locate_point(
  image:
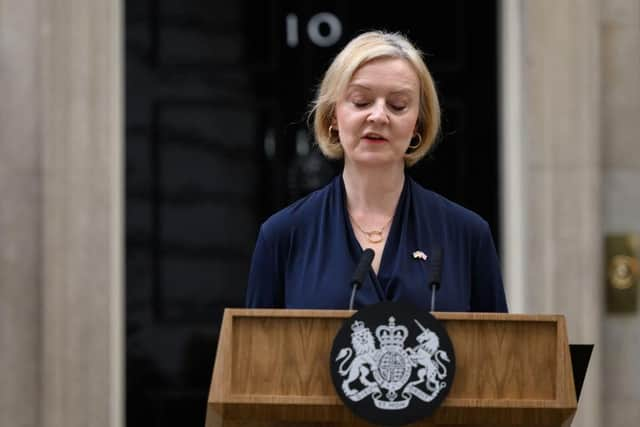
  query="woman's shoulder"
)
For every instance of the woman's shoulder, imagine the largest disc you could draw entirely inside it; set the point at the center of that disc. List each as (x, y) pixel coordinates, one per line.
(446, 210)
(298, 214)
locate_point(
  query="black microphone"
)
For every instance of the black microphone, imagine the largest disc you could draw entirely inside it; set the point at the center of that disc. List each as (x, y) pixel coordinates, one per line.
(360, 272)
(436, 273)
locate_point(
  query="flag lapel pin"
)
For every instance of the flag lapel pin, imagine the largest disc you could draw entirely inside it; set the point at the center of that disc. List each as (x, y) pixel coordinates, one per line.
(419, 255)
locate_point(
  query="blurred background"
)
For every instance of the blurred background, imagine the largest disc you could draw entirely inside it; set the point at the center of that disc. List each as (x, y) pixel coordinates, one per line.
(142, 144)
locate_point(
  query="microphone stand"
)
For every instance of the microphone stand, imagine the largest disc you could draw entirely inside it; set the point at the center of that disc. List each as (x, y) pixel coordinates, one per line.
(434, 287)
(353, 295)
(435, 276)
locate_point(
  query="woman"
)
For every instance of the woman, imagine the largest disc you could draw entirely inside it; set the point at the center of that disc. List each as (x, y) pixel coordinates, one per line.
(376, 109)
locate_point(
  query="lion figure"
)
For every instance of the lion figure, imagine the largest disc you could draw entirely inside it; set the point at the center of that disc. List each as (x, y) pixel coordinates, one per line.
(359, 368)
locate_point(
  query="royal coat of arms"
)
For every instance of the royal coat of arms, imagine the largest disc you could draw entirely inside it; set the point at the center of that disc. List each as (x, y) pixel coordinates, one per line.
(391, 372)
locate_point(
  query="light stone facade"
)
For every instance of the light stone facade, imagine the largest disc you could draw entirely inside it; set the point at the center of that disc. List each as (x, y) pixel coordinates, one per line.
(61, 235)
(620, 196)
(571, 122)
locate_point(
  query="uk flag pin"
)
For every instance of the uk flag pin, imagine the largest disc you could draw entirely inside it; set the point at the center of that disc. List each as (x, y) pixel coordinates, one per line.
(419, 255)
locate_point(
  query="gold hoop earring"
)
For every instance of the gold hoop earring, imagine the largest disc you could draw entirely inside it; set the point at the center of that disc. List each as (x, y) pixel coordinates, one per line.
(331, 130)
(416, 146)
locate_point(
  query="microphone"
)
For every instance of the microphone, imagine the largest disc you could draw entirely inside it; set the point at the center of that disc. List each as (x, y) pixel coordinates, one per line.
(360, 272)
(436, 274)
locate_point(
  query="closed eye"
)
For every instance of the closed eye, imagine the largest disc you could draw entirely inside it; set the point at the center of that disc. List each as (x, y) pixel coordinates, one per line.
(398, 107)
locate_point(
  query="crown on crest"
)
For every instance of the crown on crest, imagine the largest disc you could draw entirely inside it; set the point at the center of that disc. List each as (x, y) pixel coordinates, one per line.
(359, 329)
(357, 326)
(392, 335)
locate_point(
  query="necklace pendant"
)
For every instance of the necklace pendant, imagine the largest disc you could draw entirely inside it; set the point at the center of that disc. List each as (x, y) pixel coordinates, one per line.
(374, 236)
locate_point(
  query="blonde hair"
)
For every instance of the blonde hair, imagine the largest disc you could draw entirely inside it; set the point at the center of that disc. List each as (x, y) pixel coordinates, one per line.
(362, 49)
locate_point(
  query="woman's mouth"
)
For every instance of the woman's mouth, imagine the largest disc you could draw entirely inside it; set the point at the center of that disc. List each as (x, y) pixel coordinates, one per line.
(374, 138)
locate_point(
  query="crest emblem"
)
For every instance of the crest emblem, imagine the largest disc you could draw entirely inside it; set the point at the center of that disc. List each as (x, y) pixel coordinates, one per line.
(398, 373)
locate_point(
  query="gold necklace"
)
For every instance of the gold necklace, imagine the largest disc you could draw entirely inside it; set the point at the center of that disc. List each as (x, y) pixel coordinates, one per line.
(373, 236)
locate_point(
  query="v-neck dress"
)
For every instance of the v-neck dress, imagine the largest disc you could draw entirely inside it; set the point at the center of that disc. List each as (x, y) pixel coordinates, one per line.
(306, 253)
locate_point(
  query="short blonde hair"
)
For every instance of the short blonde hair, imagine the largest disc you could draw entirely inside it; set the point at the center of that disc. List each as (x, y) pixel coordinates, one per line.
(362, 49)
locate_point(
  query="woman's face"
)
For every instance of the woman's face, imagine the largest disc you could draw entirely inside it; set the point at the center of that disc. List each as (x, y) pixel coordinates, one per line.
(376, 116)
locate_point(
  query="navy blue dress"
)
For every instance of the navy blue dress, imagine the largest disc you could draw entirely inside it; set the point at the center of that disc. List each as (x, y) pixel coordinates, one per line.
(306, 253)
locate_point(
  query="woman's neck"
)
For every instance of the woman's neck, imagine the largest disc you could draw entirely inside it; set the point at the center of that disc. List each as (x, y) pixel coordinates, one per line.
(372, 191)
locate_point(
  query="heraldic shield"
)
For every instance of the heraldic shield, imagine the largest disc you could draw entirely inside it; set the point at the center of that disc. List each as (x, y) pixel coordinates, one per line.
(392, 364)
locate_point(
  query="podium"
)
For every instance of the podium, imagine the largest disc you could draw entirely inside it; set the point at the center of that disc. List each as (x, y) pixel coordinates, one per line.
(272, 370)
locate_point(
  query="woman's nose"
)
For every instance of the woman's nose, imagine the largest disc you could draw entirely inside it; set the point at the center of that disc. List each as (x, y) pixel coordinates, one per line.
(378, 113)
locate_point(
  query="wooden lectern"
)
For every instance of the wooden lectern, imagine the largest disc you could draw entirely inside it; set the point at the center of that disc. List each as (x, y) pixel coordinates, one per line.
(272, 369)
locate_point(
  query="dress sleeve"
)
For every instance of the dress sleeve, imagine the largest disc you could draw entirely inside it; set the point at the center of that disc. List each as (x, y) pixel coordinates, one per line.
(266, 278)
(487, 290)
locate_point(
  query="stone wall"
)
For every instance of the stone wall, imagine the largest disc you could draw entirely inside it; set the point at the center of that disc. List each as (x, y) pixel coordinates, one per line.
(61, 218)
(620, 147)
